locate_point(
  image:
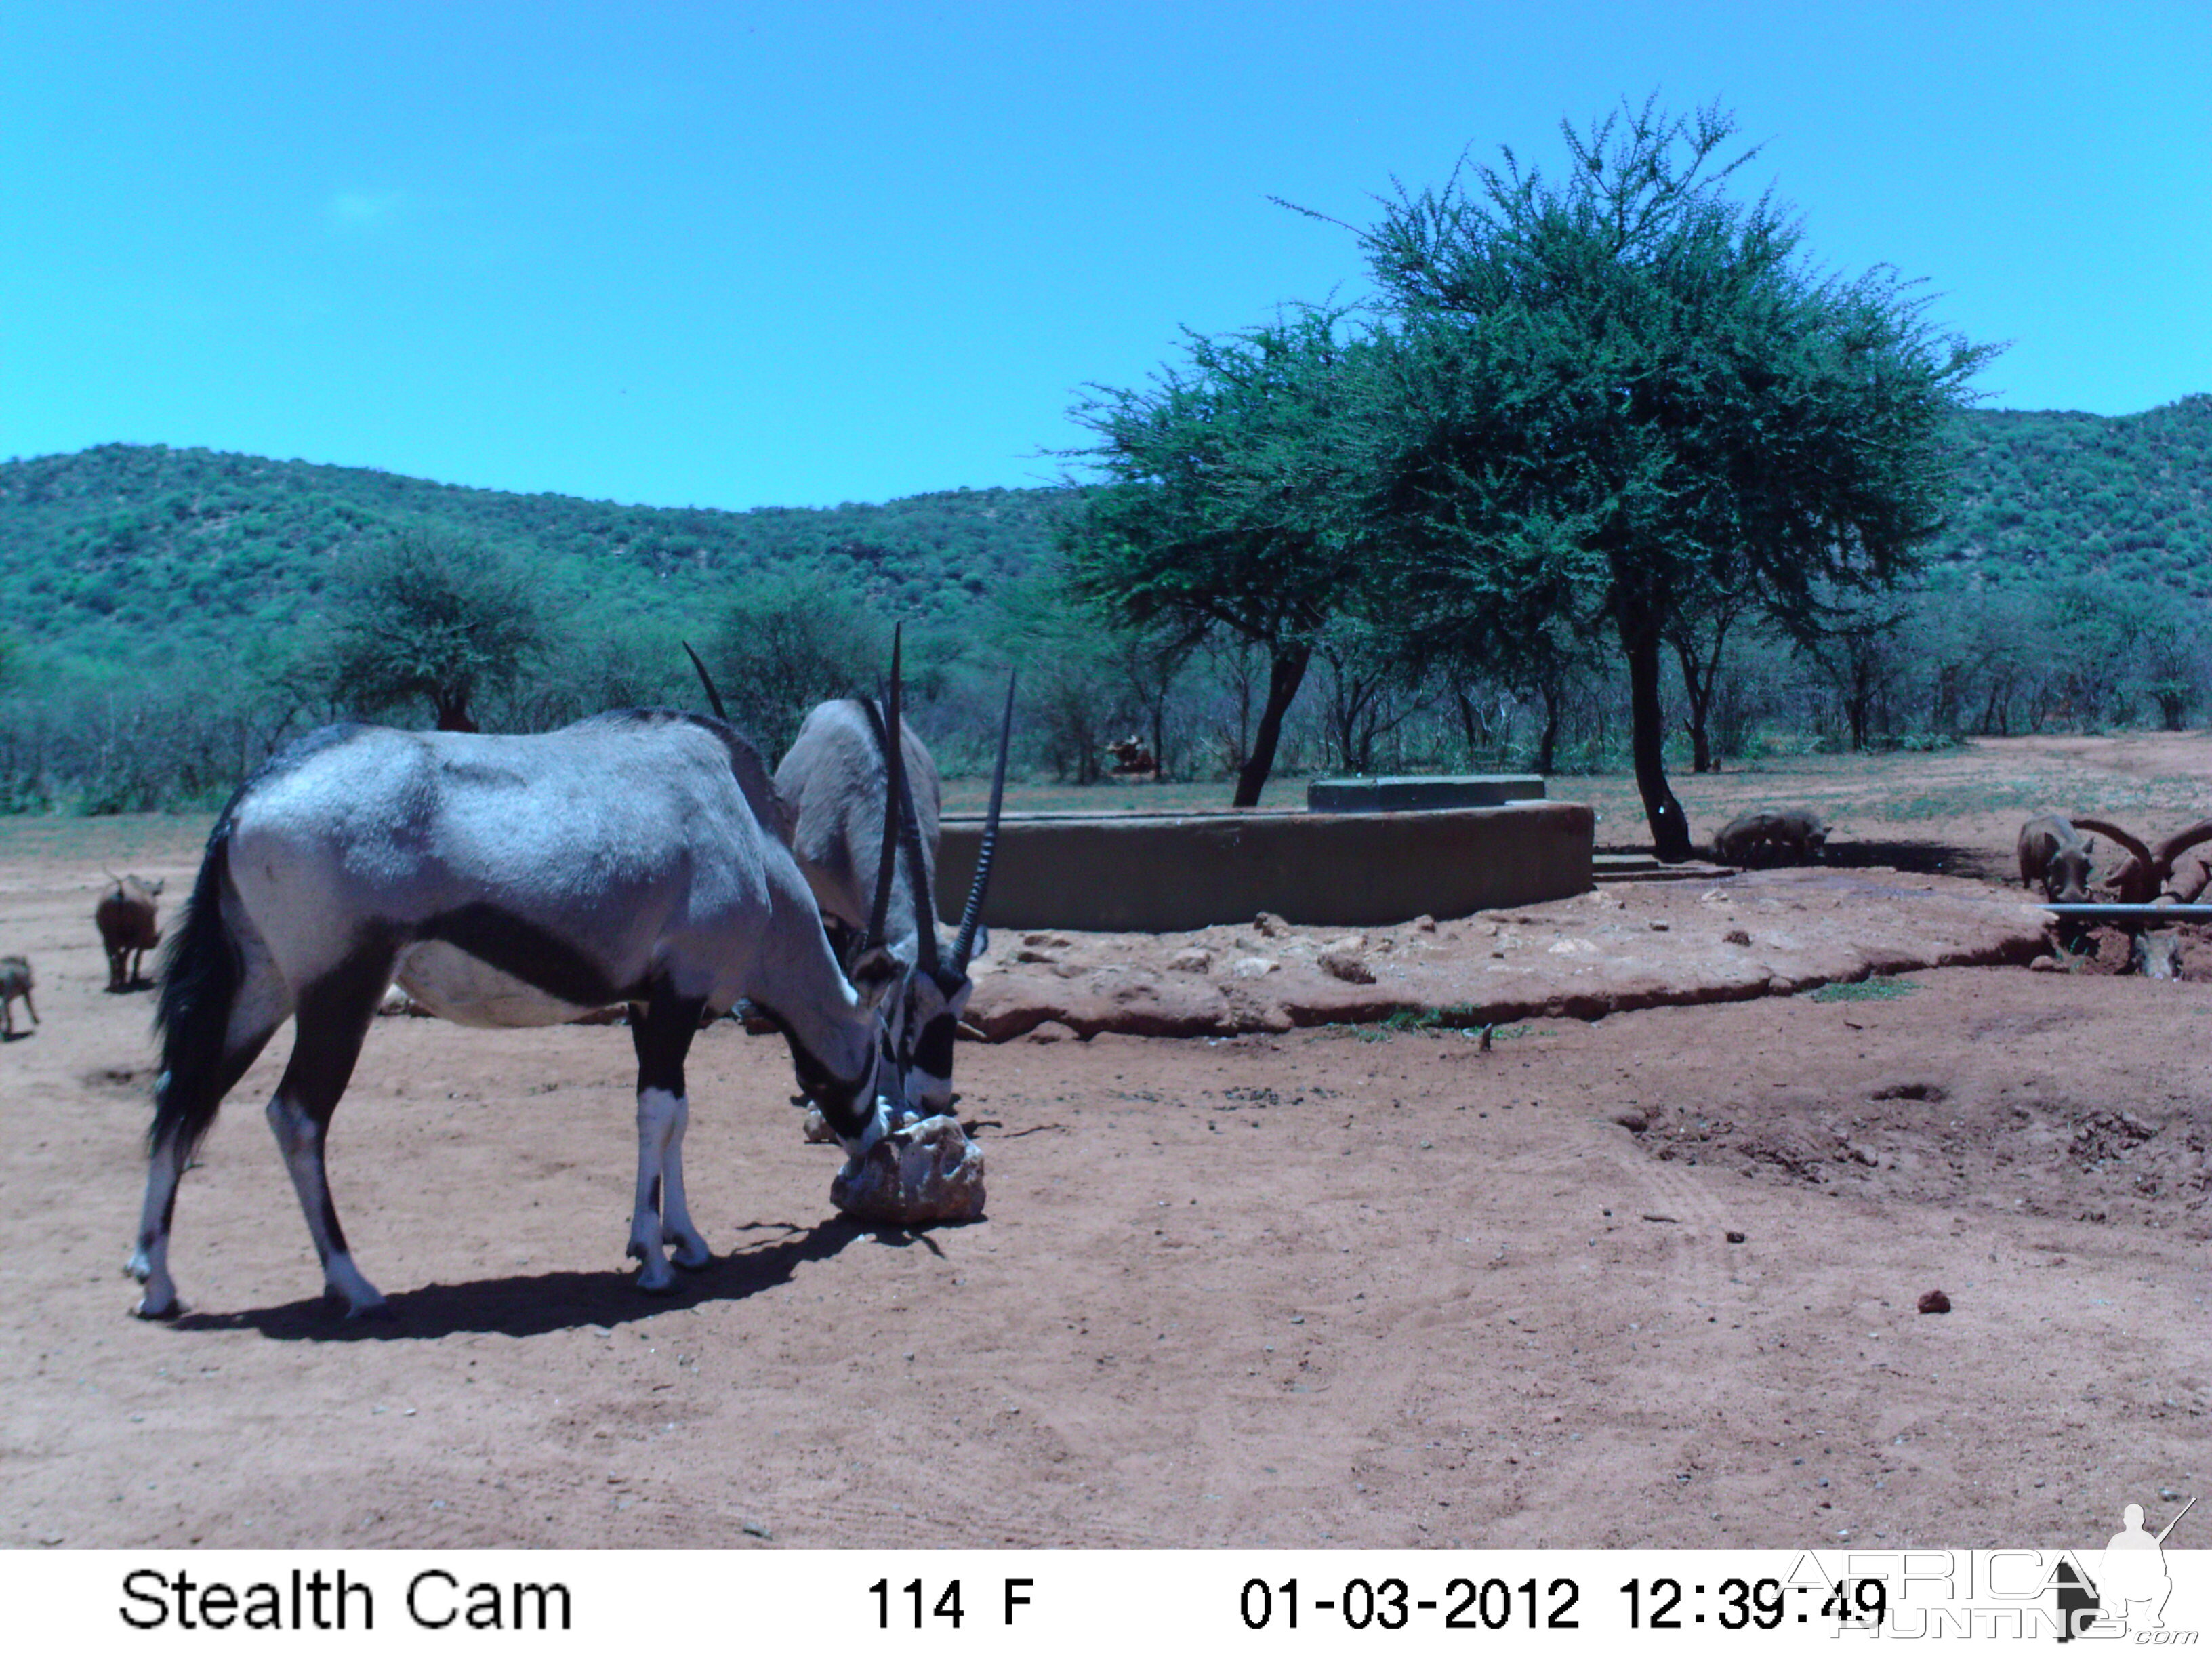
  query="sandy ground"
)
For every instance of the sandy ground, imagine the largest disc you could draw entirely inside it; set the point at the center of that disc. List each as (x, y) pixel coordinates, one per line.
(1331, 1285)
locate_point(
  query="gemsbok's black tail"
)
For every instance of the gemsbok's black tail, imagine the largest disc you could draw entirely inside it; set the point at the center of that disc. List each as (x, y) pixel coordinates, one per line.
(201, 970)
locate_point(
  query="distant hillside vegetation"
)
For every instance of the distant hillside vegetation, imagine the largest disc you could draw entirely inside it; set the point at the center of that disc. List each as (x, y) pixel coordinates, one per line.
(137, 554)
(2051, 495)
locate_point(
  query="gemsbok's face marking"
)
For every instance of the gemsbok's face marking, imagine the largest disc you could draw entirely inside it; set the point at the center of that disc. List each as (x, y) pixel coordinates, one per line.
(935, 1003)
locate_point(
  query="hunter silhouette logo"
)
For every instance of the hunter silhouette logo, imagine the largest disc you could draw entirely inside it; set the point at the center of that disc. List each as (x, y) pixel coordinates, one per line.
(2131, 1585)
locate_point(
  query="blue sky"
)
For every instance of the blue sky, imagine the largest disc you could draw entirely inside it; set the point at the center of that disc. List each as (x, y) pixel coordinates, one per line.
(738, 255)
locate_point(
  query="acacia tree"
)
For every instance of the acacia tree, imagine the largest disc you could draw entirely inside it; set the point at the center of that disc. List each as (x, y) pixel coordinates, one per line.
(789, 640)
(435, 616)
(1624, 394)
(1232, 502)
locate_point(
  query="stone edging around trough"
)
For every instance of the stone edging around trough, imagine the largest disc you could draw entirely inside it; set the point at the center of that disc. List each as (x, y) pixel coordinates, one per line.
(1765, 933)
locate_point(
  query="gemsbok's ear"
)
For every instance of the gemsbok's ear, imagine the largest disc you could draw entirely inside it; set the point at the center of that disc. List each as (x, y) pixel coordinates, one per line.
(875, 974)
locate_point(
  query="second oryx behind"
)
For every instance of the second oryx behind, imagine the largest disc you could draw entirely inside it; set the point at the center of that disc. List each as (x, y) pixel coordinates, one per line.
(851, 760)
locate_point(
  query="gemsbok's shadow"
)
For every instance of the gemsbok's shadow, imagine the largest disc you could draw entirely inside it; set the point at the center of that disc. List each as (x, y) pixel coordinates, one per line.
(533, 1304)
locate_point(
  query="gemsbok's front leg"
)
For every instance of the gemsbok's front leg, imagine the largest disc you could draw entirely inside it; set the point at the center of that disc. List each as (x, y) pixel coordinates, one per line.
(661, 1030)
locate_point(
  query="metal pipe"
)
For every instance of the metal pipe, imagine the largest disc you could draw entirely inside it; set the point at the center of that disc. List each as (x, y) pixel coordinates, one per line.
(2132, 912)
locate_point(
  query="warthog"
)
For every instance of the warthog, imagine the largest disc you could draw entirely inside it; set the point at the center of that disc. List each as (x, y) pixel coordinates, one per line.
(15, 981)
(2054, 855)
(125, 919)
(1759, 839)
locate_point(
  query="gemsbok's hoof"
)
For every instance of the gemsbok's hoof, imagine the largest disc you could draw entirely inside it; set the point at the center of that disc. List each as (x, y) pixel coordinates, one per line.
(147, 1308)
(379, 1308)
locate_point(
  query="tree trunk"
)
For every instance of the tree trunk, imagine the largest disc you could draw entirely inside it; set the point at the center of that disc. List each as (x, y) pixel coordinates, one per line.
(1285, 675)
(1699, 688)
(1859, 708)
(1466, 722)
(1670, 828)
(1547, 746)
(452, 709)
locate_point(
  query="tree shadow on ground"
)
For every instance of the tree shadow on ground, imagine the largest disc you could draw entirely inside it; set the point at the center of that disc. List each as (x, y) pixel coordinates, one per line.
(1918, 858)
(533, 1304)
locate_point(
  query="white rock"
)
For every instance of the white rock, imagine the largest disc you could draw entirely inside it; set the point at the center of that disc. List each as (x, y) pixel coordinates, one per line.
(1192, 959)
(1252, 967)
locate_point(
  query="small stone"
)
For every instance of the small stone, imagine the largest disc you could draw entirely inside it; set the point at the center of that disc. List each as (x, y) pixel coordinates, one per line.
(927, 1171)
(1339, 963)
(2046, 965)
(1056, 941)
(1935, 1302)
(1191, 959)
(1051, 1032)
(1269, 924)
(1635, 1122)
(1252, 967)
(1658, 927)
(1425, 924)
(1736, 936)
(1735, 1238)
(1030, 953)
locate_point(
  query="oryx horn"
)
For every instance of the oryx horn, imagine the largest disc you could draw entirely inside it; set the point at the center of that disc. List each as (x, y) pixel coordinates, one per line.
(925, 902)
(966, 943)
(706, 679)
(894, 786)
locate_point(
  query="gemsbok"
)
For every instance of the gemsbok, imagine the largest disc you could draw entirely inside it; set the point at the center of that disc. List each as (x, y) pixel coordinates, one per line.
(503, 881)
(834, 786)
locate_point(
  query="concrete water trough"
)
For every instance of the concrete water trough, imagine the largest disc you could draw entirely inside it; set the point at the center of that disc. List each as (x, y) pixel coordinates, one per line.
(1172, 872)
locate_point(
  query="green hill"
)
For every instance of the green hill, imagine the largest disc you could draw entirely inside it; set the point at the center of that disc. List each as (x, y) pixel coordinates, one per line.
(132, 555)
(160, 611)
(2053, 495)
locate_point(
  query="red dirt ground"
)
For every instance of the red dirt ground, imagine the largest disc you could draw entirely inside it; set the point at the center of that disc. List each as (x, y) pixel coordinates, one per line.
(1331, 1286)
